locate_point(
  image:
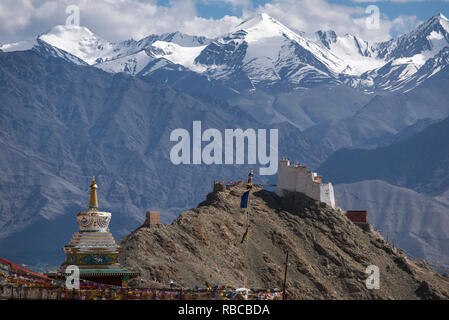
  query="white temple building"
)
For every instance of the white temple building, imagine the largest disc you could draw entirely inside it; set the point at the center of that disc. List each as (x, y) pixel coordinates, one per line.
(296, 178)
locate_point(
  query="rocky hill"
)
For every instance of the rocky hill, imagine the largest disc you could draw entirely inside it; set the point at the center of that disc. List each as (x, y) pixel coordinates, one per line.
(328, 254)
(416, 222)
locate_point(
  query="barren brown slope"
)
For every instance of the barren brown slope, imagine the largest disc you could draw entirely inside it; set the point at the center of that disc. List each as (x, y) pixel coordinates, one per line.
(328, 254)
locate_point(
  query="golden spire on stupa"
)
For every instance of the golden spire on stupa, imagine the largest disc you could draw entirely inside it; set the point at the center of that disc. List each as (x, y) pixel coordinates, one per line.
(93, 203)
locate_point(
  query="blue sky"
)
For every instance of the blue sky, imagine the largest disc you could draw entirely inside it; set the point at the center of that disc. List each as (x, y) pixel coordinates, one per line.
(390, 9)
(125, 19)
(422, 9)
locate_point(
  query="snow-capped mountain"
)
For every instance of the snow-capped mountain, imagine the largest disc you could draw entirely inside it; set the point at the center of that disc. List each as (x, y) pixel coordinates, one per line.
(425, 41)
(411, 58)
(262, 52)
(81, 42)
(357, 54)
(266, 51)
(80, 45)
(48, 50)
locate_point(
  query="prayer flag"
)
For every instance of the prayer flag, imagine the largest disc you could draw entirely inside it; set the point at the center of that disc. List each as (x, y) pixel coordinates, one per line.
(244, 202)
(250, 180)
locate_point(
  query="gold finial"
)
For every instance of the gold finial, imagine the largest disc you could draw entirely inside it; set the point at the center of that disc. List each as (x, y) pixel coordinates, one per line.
(93, 203)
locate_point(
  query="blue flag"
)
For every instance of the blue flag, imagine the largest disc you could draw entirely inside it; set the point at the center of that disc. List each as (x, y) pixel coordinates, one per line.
(244, 202)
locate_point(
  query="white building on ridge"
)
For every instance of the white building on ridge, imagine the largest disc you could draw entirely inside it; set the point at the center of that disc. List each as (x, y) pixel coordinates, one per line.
(296, 178)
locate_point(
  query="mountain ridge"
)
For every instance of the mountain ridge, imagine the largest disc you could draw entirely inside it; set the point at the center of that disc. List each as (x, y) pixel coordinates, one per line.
(418, 162)
(288, 57)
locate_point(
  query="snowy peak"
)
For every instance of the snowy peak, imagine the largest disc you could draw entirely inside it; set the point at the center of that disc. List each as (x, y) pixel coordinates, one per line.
(128, 56)
(266, 33)
(327, 37)
(155, 51)
(437, 24)
(438, 19)
(184, 40)
(48, 50)
(263, 26)
(408, 54)
(442, 16)
(181, 39)
(257, 20)
(79, 41)
(427, 40)
(348, 43)
(177, 54)
(357, 54)
(263, 51)
(266, 52)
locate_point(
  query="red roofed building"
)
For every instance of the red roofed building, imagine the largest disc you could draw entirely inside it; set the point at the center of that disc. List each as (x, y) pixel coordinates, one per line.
(360, 218)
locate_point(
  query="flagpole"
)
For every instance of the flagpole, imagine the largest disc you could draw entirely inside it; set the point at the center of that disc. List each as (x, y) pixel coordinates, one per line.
(285, 277)
(246, 218)
(249, 186)
(246, 249)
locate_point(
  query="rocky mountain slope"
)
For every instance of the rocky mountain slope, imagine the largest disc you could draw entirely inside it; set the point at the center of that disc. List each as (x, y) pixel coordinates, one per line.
(328, 254)
(416, 222)
(403, 185)
(420, 162)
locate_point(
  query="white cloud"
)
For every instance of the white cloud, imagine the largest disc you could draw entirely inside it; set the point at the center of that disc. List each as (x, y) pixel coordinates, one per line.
(236, 4)
(113, 20)
(400, 1)
(403, 24)
(117, 20)
(15, 14)
(313, 15)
